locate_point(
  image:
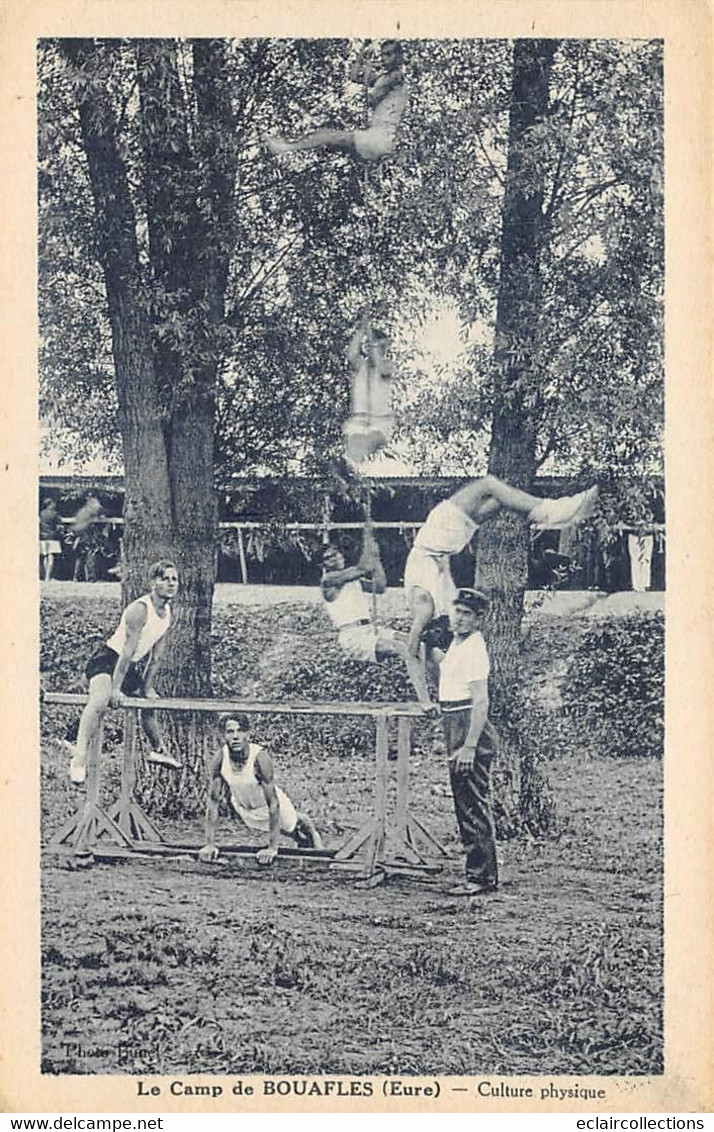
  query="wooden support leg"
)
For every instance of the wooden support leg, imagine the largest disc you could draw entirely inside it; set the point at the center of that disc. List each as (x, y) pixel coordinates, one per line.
(403, 750)
(361, 852)
(126, 812)
(401, 855)
(418, 833)
(90, 822)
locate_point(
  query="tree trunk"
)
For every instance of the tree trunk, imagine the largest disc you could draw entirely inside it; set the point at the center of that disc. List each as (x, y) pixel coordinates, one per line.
(165, 321)
(502, 559)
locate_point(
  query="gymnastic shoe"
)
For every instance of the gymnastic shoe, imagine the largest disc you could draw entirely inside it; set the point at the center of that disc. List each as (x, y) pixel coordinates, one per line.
(474, 888)
(555, 514)
(160, 758)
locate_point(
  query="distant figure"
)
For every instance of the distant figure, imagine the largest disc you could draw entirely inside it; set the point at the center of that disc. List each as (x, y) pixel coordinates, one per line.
(371, 422)
(50, 544)
(639, 547)
(81, 529)
(245, 771)
(386, 98)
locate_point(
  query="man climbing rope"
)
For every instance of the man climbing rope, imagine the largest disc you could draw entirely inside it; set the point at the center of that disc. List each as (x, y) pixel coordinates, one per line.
(246, 770)
(371, 422)
(386, 98)
(345, 589)
(428, 585)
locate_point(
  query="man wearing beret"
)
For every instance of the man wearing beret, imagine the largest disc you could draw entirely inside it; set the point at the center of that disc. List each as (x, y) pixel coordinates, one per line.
(471, 740)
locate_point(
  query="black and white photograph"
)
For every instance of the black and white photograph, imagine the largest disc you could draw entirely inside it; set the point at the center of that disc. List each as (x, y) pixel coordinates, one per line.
(352, 566)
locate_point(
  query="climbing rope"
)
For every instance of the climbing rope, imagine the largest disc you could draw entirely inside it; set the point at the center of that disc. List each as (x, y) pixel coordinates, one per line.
(369, 531)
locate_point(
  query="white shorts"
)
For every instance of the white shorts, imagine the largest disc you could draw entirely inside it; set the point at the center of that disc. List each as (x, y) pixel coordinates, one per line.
(359, 642)
(259, 819)
(430, 572)
(49, 546)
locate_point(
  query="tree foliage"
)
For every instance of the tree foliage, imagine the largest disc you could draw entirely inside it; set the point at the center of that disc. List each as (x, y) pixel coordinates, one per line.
(315, 237)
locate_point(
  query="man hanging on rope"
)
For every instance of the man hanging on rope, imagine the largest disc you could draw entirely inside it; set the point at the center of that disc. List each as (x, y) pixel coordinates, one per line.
(345, 589)
(246, 770)
(371, 422)
(386, 97)
(450, 526)
(125, 666)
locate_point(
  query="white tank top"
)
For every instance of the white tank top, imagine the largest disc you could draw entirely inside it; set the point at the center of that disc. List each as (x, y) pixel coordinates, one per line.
(350, 605)
(246, 792)
(447, 530)
(153, 630)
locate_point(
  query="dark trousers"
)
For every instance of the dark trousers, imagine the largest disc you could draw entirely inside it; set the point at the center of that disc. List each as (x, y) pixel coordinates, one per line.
(472, 797)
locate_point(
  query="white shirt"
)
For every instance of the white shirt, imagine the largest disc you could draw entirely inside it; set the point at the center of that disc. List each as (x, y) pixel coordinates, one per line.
(465, 662)
(153, 630)
(350, 604)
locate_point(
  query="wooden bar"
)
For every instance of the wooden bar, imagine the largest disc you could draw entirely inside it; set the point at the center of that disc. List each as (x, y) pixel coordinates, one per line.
(251, 707)
(403, 745)
(128, 770)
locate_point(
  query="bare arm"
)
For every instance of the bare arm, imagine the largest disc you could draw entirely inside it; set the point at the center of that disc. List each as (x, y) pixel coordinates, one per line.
(354, 350)
(209, 852)
(377, 583)
(363, 69)
(370, 562)
(422, 610)
(463, 757)
(265, 775)
(156, 654)
(333, 580)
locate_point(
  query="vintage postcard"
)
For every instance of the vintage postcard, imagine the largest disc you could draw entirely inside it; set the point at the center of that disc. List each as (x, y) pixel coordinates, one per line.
(357, 455)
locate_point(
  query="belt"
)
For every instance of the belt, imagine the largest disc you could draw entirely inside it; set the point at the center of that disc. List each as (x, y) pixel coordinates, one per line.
(454, 705)
(351, 624)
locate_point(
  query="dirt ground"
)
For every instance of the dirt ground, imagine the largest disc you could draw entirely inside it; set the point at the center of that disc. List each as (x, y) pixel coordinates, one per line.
(175, 967)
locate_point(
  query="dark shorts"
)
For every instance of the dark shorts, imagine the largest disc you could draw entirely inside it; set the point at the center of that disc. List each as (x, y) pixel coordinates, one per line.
(105, 660)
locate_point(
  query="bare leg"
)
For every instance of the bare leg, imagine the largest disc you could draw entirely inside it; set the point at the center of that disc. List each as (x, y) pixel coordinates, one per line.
(484, 497)
(90, 724)
(305, 830)
(409, 648)
(398, 645)
(150, 725)
(158, 755)
(342, 140)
